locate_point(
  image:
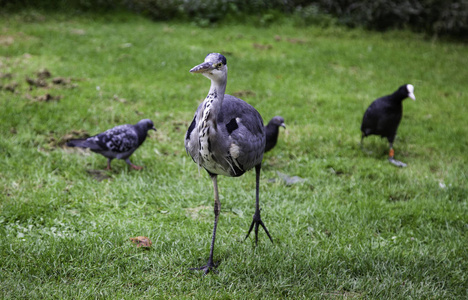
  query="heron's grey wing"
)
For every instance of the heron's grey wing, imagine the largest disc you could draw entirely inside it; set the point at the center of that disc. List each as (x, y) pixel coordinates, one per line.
(191, 137)
(244, 126)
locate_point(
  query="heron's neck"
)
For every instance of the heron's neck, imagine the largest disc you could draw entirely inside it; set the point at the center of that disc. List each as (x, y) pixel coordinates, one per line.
(212, 104)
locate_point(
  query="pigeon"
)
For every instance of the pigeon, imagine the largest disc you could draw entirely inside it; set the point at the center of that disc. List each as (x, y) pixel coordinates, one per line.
(272, 131)
(383, 116)
(119, 142)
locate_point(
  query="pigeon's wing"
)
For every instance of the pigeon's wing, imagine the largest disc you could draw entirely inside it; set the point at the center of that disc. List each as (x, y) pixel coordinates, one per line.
(120, 139)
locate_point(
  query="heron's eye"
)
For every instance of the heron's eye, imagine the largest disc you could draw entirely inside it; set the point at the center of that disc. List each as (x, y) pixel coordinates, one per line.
(219, 65)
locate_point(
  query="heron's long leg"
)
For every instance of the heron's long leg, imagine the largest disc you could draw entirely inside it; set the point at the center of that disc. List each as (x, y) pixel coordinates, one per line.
(217, 208)
(256, 218)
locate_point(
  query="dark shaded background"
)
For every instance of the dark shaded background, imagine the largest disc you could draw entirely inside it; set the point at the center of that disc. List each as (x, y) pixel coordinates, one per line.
(433, 17)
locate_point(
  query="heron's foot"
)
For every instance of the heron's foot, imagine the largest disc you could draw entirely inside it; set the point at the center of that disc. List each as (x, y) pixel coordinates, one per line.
(257, 221)
(210, 266)
(397, 162)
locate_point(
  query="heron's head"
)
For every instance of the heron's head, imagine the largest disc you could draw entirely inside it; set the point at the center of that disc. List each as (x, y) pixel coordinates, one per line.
(214, 67)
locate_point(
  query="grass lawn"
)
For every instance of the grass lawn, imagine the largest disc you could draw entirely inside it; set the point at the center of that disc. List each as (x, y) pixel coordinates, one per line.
(357, 227)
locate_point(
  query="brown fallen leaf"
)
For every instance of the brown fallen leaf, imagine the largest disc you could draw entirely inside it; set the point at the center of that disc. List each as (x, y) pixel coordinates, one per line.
(142, 241)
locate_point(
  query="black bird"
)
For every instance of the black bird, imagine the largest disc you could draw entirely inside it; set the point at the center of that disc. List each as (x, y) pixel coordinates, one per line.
(383, 116)
(226, 137)
(272, 131)
(119, 142)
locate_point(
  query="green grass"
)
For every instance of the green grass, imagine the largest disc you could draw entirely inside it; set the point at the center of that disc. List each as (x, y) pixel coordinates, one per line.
(358, 227)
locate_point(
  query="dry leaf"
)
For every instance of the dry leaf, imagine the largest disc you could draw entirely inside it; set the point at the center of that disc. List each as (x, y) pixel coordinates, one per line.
(142, 241)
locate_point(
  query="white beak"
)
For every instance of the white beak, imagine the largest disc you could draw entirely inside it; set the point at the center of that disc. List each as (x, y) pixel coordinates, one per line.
(410, 89)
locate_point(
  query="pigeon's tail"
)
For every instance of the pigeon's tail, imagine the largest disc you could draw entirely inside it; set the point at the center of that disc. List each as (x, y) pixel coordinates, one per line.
(81, 143)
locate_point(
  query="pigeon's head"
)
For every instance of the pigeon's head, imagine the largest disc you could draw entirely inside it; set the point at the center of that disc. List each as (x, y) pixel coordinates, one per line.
(214, 67)
(146, 124)
(407, 90)
(277, 121)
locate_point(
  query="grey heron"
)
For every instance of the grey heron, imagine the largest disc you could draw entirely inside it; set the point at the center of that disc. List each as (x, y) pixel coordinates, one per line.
(226, 137)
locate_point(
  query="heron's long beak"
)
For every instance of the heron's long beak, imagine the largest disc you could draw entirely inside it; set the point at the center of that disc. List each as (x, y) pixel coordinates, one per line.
(153, 128)
(411, 95)
(283, 125)
(201, 68)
